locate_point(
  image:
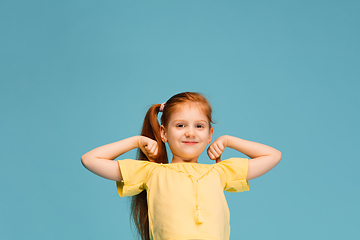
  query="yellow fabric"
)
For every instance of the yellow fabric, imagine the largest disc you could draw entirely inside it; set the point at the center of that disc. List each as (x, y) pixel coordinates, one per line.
(185, 200)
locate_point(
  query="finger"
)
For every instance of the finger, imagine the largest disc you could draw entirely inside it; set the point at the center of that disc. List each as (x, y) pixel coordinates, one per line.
(218, 159)
(156, 151)
(154, 147)
(149, 148)
(212, 154)
(216, 152)
(146, 151)
(150, 157)
(209, 152)
(218, 149)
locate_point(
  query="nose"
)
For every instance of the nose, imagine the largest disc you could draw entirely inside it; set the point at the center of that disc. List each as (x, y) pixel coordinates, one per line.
(189, 133)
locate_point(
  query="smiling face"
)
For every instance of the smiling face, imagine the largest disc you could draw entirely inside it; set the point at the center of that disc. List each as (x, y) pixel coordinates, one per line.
(187, 133)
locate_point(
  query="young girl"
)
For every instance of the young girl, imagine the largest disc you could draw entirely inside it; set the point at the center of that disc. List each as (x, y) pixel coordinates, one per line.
(183, 199)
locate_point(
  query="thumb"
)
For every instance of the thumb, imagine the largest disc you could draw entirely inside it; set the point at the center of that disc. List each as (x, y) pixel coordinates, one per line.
(218, 159)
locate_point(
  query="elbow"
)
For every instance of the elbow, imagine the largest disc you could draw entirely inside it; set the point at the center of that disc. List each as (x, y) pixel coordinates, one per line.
(278, 155)
(84, 160)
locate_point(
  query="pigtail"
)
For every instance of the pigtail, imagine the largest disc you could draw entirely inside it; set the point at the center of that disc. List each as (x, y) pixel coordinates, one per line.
(139, 207)
(151, 129)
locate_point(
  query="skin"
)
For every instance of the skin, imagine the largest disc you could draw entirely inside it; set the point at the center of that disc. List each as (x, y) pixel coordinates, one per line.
(187, 133)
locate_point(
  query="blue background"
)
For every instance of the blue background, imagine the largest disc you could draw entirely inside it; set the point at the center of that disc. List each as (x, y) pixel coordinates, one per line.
(79, 74)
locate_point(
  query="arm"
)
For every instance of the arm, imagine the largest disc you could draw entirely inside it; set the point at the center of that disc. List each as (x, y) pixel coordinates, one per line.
(263, 158)
(99, 160)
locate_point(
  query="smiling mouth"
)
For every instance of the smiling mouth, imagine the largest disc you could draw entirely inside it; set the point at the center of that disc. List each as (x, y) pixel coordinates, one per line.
(189, 143)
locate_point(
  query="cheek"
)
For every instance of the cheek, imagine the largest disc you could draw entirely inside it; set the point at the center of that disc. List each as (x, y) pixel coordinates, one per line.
(171, 137)
(205, 134)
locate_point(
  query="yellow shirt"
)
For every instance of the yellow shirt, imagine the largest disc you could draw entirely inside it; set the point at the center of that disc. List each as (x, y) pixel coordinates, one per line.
(185, 200)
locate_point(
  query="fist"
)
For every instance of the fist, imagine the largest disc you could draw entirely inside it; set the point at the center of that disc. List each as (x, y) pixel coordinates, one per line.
(215, 149)
(149, 147)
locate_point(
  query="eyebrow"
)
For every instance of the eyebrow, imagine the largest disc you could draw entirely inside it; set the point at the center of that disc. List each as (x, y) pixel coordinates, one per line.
(183, 120)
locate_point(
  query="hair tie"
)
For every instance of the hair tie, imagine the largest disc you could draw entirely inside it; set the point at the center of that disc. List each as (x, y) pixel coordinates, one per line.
(162, 106)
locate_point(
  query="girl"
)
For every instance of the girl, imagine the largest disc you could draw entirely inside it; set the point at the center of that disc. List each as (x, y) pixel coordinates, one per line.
(183, 199)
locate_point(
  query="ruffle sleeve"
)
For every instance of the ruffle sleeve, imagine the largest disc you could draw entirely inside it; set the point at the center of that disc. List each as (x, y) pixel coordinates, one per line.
(233, 173)
(135, 174)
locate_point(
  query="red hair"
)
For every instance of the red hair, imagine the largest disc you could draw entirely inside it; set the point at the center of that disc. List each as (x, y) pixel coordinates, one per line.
(151, 129)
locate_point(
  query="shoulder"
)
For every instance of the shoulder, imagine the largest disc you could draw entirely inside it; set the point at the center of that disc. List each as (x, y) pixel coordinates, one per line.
(233, 165)
(136, 165)
(233, 161)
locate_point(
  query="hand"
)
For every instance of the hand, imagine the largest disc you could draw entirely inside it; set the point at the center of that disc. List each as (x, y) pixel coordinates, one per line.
(217, 148)
(149, 147)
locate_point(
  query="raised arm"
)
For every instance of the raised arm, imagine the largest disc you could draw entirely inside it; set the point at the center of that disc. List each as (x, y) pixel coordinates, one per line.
(100, 160)
(263, 158)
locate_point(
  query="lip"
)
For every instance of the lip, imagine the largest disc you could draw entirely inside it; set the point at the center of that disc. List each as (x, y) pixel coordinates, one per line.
(189, 142)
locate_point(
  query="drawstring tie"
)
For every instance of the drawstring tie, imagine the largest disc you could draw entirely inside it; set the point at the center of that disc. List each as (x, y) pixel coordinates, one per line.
(198, 217)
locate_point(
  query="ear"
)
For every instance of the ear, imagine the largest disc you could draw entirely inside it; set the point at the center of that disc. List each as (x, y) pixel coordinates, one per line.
(211, 134)
(163, 134)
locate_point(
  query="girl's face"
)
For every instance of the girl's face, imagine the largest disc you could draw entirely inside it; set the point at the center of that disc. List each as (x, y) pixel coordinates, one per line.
(187, 133)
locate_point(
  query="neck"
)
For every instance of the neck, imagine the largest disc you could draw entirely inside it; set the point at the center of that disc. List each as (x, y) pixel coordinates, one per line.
(184, 160)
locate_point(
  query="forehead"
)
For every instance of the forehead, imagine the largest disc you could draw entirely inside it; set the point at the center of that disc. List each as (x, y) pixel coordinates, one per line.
(189, 110)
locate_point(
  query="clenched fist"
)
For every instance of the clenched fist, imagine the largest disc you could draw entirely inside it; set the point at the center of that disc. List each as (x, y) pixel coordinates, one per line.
(217, 148)
(149, 147)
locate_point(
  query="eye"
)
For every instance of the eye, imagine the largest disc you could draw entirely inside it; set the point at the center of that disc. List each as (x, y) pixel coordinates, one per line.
(180, 125)
(200, 126)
